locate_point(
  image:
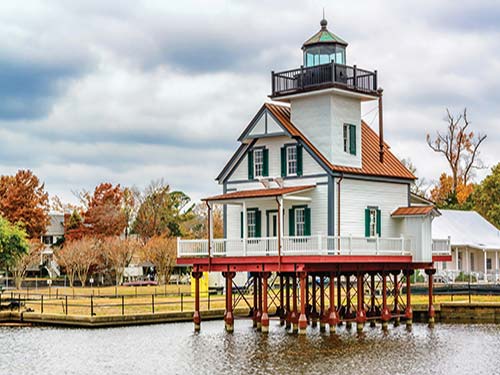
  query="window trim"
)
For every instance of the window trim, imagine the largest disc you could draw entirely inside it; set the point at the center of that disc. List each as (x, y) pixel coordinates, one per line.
(288, 160)
(346, 138)
(373, 225)
(261, 163)
(303, 223)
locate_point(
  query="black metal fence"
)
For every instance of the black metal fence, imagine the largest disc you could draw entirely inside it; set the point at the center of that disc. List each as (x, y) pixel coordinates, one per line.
(308, 78)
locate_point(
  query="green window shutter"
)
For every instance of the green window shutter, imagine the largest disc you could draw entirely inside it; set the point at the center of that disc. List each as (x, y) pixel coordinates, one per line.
(258, 221)
(367, 222)
(307, 219)
(352, 139)
(379, 222)
(241, 224)
(291, 222)
(250, 165)
(299, 160)
(283, 162)
(265, 168)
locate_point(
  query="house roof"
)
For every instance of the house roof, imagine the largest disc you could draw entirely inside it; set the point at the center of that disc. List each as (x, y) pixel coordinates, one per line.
(324, 36)
(414, 211)
(259, 193)
(370, 162)
(466, 228)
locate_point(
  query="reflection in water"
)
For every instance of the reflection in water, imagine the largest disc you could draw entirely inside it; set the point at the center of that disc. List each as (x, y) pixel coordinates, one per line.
(176, 349)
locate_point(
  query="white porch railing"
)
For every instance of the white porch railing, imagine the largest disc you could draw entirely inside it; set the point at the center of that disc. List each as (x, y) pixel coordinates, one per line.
(441, 247)
(309, 245)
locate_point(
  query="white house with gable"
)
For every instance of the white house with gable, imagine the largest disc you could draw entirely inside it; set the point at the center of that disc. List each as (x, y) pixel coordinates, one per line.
(311, 177)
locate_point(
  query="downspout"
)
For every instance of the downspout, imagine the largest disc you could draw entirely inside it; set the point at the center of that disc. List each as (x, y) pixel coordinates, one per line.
(338, 209)
(380, 125)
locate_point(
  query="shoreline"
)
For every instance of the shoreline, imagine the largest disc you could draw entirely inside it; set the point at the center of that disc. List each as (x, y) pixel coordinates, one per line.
(452, 312)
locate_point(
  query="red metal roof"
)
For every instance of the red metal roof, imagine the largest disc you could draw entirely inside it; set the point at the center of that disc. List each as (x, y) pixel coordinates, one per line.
(258, 193)
(413, 211)
(370, 162)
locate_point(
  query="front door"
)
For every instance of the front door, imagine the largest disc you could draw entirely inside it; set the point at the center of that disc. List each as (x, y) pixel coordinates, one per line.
(273, 224)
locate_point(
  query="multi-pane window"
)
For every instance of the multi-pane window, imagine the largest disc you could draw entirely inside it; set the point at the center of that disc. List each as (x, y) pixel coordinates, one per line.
(252, 224)
(373, 222)
(47, 240)
(258, 162)
(291, 160)
(350, 139)
(300, 221)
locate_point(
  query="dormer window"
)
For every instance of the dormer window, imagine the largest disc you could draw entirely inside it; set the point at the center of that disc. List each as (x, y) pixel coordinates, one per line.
(291, 160)
(258, 163)
(350, 139)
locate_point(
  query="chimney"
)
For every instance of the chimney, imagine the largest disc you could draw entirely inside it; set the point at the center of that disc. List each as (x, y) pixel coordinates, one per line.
(380, 125)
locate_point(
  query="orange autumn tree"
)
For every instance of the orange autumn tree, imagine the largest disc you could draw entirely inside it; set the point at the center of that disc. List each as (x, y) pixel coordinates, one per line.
(23, 200)
(442, 192)
(105, 215)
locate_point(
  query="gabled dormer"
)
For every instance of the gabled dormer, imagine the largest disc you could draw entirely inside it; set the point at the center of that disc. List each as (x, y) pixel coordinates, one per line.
(325, 97)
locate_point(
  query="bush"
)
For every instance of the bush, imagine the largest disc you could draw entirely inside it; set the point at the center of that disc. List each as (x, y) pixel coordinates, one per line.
(465, 277)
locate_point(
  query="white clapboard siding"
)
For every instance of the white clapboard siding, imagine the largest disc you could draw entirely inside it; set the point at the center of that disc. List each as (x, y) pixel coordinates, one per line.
(274, 144)
(322, 117)
(357, 195)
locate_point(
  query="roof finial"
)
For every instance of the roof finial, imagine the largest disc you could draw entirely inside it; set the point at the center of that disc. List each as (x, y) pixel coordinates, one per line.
(323, 22)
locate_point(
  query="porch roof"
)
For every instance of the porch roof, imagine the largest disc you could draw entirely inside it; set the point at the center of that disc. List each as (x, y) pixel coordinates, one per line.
(259, 193)
(415, 211)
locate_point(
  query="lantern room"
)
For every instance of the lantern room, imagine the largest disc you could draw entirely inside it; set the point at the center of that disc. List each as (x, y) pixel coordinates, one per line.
(324, 47)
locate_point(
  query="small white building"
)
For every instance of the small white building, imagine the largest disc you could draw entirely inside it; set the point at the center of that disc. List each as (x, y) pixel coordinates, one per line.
(475, 244)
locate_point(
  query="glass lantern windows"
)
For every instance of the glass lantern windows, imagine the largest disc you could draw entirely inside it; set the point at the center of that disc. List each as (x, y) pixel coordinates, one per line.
(324, 54)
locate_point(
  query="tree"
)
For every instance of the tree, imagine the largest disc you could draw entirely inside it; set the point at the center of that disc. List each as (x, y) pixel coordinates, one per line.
(119, 253)
(22, 261)
(74, 229)
(460, 148)
(77, 257)
(161, 212)
(161, 252)
(130, 206)
(13, 242)
(197, 226)
(24, 200)
(444, 196)
(418, 187)
(104, 216)
(486, 197)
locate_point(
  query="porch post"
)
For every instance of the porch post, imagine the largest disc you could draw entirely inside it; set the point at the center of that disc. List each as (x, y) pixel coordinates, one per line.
(496, 265)
(280, 225)
(245, 228)
(209, 230)
(456, 258)
(485, 255)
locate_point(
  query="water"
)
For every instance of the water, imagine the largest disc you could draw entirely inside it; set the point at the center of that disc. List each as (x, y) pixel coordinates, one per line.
(175, 349)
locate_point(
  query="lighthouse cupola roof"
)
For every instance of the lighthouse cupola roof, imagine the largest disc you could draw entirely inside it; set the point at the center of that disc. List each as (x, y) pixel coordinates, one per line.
(324, 47)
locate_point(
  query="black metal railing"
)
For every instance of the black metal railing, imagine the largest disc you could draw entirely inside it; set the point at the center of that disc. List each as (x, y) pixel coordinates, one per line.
(323, 76)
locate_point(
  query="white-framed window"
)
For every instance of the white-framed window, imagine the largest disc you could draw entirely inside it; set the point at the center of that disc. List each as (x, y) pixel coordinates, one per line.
(373, 222)
(300, 222)
(349, 135)
(291, 160)
(252, 224)
(258, 162)
(346, 138)
(47, 240)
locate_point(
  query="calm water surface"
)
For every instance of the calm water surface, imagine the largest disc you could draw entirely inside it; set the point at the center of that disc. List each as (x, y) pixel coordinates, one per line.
(175, 349)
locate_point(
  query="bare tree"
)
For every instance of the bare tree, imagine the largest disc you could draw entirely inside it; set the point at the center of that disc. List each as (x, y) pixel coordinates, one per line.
(23, 260)
(459, 146)
(77, 257)
(119, 253)
(161, 251)
(420, 185)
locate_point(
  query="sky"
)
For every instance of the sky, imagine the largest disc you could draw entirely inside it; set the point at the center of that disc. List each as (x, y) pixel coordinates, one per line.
(132, 91)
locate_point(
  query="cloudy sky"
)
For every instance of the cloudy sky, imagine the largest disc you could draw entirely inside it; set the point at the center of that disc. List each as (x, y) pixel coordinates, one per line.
(131, 91)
